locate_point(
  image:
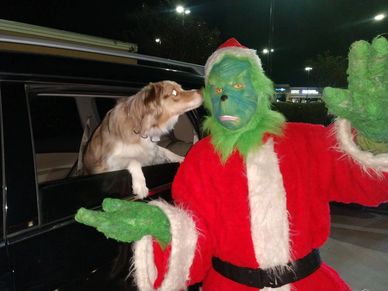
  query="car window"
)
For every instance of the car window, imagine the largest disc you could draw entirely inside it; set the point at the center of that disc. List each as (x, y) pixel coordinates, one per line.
(104, 105)
(57, 133)
(57, 122)
(179, 140)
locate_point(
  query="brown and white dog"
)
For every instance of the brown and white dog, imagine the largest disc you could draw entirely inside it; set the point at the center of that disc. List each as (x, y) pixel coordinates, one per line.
(126, 138)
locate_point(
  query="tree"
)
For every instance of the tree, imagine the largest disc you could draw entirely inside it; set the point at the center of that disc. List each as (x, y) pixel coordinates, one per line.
(328, 70)
(185, 38)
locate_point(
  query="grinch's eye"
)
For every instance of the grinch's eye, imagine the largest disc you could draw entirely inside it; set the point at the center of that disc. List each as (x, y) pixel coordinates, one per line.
(238, 86)
(219, 90)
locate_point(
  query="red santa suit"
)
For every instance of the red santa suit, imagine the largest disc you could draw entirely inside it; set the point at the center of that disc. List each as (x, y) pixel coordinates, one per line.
(266, 211)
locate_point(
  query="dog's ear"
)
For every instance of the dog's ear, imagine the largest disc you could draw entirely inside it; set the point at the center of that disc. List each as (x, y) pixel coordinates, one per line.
(153, 94)
(148, 109)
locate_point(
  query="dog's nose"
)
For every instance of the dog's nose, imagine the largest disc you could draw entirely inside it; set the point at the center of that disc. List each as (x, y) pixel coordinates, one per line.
(224, 97)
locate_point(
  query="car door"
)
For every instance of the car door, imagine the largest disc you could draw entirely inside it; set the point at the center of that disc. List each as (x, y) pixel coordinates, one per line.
(6, 274)
(48, 249)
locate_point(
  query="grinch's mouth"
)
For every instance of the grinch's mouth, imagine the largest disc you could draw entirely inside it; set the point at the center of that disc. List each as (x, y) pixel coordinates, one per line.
(229, 118)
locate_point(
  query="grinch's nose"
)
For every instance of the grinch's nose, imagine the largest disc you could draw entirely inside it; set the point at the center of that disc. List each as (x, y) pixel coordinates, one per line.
(224, 97)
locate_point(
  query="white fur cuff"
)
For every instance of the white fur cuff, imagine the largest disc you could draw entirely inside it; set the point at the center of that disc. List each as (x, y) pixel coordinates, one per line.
(183, 244)
(367, 160)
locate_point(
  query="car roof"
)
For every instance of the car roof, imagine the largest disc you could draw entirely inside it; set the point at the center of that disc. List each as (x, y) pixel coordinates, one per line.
(21, 38)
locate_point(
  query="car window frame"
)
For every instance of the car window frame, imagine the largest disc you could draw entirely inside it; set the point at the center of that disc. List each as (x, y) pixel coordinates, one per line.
(52, 89)
(18, 162)
(3, 183)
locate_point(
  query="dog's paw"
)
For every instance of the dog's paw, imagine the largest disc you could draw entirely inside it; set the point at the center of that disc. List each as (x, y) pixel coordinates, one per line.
(140, 190)
(177, 159)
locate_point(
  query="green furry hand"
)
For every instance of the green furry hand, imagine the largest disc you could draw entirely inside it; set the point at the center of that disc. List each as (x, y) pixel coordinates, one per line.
(365, 102)
(127, 221)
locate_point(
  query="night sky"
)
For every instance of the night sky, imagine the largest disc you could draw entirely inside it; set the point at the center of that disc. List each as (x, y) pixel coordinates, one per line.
(301, 28)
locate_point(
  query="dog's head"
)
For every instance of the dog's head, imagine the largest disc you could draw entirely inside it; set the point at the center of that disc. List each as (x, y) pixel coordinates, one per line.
(158, 106)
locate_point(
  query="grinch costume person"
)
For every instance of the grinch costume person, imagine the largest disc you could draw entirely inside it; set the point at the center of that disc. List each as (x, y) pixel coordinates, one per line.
(252, 199)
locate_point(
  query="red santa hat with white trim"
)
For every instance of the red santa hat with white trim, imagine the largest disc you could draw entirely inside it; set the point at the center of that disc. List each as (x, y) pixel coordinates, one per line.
(231, 47)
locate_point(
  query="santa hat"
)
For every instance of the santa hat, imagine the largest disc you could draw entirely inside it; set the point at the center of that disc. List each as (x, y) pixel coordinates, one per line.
(232, 47)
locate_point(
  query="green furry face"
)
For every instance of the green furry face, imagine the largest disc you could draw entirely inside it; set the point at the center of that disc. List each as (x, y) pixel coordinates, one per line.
(231, 91)
(239, 120)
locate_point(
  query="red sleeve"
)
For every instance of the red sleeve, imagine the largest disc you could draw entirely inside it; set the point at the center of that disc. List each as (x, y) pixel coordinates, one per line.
(352, 179)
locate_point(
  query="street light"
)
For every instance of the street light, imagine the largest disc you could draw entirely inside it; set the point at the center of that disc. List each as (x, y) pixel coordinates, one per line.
(267, 51)
(308, 69)
(182, 10)
(158, 40)
(268, 55)
(379, 17)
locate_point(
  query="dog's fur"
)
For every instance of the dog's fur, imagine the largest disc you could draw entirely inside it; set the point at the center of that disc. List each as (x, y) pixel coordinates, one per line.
(126, 138)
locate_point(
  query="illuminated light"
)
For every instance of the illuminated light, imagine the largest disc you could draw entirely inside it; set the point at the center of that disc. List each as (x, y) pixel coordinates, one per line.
(280, 89)
(295, 91)
(379, 17)
(267, 51)
(180, 9)
(310, 92)
(308, 69)
(158, 40)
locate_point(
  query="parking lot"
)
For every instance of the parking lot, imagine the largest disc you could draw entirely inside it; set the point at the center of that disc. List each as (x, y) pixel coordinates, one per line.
(358, 247)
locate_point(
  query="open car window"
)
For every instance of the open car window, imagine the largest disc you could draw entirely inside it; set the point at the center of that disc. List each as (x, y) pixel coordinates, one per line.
(58, 122)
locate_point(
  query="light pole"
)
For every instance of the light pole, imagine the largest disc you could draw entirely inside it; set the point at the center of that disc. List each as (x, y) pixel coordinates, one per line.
(270, 35)
(268, 52)
(308, 69)
(184, 11)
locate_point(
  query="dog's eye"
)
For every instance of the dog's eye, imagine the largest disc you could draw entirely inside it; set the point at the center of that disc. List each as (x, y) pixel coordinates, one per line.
(238, 86)
(174, 92)
(219, 90)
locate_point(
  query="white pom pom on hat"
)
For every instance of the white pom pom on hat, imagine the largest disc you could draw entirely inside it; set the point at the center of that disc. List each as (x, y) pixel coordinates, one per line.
(231, 47)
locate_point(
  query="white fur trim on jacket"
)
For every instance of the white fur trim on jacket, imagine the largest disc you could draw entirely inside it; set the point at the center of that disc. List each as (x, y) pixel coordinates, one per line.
(183, 244)
(268, 205)
(235, 51)
(368, 160)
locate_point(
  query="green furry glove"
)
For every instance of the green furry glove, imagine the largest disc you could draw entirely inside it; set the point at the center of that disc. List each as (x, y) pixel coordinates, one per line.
(365, 102)
(128, 221)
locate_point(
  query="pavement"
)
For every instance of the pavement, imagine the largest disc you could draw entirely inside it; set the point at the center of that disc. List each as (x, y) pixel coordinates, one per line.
(358, 247)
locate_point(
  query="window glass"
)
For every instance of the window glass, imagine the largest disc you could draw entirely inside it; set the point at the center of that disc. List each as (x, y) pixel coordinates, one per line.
(57, 133)
(104, 105)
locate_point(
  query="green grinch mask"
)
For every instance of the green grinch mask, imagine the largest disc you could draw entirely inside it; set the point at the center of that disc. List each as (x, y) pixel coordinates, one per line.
(233, 97)
(237, 94)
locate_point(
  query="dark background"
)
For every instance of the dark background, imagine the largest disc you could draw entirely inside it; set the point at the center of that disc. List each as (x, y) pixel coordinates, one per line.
(299, 30)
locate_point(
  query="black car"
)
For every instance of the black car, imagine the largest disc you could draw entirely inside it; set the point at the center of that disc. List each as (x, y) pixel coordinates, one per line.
(49, 90)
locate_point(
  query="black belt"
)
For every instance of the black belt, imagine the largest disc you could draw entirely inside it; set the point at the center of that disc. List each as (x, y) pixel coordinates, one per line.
(271, 277)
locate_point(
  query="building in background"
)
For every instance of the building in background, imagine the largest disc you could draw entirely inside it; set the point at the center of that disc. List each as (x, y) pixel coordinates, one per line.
(286, 93)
